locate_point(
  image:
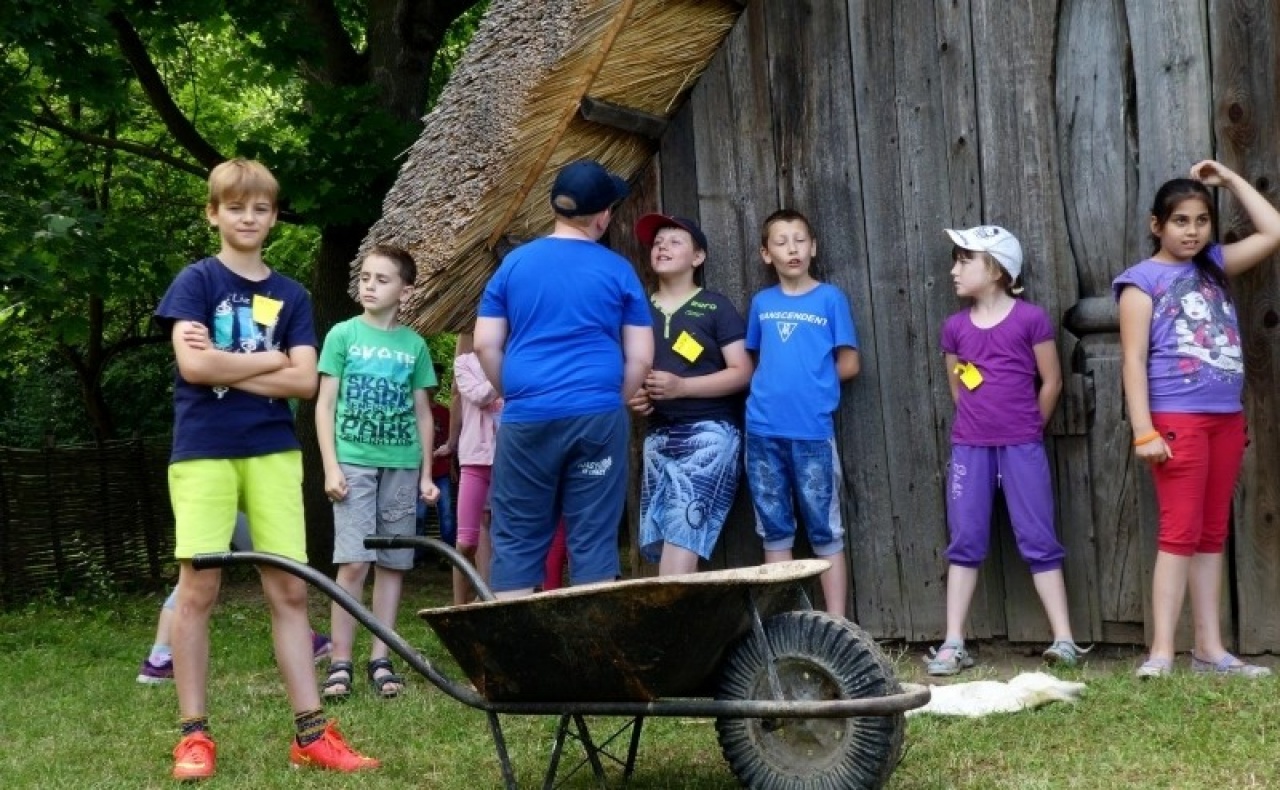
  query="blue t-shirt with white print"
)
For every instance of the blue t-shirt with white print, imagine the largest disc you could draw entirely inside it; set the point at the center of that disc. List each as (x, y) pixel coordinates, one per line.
(795, 389)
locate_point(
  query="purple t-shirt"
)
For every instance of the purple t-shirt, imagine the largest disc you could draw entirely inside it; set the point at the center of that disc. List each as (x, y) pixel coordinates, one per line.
(1004, 408)
(1195, 363)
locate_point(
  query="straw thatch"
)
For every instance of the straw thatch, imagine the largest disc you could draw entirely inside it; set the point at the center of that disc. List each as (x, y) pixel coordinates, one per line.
(509, 119)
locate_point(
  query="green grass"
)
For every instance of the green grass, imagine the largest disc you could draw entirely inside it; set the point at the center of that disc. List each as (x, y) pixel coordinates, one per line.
(72, 716)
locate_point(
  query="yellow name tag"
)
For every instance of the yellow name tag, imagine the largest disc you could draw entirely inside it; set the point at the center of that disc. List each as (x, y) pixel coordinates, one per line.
(266, 310)
(687, 347)
(969, 375)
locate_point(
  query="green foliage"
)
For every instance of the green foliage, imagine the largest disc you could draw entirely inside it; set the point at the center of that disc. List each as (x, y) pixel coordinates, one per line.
(101, 200)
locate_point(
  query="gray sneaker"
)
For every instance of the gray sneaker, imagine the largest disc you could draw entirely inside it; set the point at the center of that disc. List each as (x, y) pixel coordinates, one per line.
(948, 660)
(1228, 665)
(1064, 653)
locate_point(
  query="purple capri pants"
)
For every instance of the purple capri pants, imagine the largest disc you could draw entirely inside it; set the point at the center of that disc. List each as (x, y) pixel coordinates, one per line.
(1022, 471)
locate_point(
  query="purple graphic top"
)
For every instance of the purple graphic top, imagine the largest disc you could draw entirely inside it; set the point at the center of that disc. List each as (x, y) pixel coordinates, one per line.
(1194, 362)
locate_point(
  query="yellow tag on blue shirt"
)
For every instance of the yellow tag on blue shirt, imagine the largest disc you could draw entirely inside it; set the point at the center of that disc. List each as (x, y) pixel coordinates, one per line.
(266, 310)
(687, 347)
(969, 375)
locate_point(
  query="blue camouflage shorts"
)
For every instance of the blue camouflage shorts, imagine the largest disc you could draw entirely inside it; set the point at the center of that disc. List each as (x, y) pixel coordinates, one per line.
(690, 478)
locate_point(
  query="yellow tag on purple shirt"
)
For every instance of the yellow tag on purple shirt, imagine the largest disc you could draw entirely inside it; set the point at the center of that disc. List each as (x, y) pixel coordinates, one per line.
(969, 375)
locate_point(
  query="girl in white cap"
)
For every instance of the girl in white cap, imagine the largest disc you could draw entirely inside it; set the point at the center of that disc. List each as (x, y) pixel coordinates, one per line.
(996, 351)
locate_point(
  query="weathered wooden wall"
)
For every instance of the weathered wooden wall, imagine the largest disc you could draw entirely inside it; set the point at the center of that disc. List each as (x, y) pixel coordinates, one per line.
(886, 122)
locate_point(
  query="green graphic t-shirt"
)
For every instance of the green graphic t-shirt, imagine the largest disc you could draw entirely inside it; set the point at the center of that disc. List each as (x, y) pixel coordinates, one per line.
(377, 371)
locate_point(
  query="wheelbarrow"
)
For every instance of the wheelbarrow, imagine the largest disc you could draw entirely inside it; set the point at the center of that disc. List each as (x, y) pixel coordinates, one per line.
(800, 699)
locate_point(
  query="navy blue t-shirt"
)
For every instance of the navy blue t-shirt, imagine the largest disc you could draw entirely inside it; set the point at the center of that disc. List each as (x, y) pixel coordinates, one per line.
(224, 422)
(689, 343)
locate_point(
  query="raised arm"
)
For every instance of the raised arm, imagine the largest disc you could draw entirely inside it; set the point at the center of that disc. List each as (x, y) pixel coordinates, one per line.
(1243, 255)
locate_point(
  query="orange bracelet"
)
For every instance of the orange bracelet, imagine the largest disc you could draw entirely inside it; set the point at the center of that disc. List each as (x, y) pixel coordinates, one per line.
(1146, 438)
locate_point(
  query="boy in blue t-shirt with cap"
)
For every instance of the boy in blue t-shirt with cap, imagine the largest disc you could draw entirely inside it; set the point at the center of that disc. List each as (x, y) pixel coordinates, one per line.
(563, 332)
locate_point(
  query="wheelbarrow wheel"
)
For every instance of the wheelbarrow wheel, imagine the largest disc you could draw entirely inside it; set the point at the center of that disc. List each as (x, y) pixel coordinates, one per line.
(817, 657)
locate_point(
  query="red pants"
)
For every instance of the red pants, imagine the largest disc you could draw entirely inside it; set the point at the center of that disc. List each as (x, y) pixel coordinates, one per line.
(1195, 485)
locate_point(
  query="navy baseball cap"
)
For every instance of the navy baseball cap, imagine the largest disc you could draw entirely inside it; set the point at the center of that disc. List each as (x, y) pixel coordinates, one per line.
(585, 187)
(647, 228)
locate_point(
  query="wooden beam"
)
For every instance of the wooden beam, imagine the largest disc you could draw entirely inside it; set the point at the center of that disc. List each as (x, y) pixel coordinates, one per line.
(588, 77)
(623, 118)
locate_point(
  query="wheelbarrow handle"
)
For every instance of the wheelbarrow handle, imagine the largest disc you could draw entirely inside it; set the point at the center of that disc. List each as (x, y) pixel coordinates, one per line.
(451, 554)
(331, 588)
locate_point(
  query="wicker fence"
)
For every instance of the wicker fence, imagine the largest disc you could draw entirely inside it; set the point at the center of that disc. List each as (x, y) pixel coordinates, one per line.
(84, 517)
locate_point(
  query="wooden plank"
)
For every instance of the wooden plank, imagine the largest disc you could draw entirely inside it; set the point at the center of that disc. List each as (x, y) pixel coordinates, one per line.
(958, 106)
(736, 188)
(898, 120)
(1169, 42)
(621, 238)
(1021, 187)
(809, 67)
(1244, 88)
(1076, 531)
(1097, 152)
(1122, 585)
(678, 168)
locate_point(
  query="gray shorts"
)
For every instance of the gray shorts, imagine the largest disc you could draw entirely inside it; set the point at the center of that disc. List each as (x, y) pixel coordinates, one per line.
(379, 501)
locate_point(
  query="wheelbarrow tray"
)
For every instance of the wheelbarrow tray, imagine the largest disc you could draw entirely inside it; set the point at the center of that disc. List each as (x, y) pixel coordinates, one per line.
(627, 641)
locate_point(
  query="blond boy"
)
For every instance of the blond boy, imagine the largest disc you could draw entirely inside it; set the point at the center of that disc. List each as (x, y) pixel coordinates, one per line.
(244, 344)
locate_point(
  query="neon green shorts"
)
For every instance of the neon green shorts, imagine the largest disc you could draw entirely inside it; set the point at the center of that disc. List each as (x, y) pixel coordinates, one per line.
(206, 493)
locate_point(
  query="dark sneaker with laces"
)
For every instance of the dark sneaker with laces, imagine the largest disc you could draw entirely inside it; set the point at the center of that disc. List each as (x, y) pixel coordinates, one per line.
(155, 674)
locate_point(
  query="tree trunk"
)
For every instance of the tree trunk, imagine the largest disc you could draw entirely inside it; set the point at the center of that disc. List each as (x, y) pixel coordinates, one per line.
(332, 303)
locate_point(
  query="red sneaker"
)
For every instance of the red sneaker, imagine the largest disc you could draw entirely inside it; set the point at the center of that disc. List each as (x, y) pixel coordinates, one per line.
(194, 757)
(331, 751)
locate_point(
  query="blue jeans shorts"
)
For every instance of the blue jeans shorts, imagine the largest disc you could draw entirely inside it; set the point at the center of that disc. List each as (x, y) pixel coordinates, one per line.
(785, 473)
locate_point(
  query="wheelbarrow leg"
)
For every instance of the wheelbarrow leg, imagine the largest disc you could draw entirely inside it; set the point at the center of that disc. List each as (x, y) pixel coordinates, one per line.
(500, 743)
(593, 753)
(631, 750)
(557, 748)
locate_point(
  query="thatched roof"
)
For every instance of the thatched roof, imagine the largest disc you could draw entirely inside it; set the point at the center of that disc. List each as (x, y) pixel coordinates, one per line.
(514, 113)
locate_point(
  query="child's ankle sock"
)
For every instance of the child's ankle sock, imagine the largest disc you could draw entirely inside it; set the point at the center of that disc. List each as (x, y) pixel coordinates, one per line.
(193, 724)
(310, 724)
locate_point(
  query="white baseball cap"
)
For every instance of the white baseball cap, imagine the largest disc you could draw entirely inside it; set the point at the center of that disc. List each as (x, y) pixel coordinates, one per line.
(995, 240)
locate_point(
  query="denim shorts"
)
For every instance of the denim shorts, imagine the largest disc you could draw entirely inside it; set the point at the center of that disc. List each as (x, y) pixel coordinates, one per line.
(690, 478)
(379, 501)
(803, 471)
